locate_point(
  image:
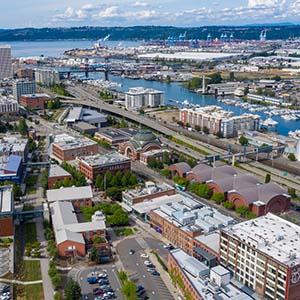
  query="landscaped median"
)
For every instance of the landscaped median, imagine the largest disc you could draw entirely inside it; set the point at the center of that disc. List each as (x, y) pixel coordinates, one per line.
(128, 287)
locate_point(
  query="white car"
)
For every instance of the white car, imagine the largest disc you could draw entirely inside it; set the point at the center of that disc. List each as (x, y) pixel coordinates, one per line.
(144, 255)
(147, 262)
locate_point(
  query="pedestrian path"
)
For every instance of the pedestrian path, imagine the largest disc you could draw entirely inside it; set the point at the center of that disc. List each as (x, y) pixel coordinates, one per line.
(47, 284)
(14, 281)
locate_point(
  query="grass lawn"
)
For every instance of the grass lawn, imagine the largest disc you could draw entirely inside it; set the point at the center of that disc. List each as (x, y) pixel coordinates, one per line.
(31, 270)
(126, 231)
(30, 233)
(28, 292)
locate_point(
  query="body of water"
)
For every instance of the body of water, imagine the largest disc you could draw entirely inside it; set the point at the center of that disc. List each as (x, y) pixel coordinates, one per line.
(173, 91)
(57, 48)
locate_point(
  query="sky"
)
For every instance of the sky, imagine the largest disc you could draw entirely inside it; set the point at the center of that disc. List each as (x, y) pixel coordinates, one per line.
(66, 13)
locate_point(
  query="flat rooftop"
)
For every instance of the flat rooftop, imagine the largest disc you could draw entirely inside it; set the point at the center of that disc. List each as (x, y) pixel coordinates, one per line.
(199, 276)
(211, 240)
(149, 189)
(12, 143)
(41, 95)
(67, 142)
(6, 200)
(57, 171)
(106, 159)
(193, 218)
(147, 206)
(272, 235)
(70, 194)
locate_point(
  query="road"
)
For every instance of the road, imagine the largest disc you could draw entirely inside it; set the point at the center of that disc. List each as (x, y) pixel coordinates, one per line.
(204, 145)
(134, 265)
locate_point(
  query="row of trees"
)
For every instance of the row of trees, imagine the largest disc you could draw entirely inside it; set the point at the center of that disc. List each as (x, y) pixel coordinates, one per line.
(202, 190)
(114, 213)
(128, 287)
(114, 183)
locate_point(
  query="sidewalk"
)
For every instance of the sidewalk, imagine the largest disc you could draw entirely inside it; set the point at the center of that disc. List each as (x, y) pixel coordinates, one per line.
(47, 284)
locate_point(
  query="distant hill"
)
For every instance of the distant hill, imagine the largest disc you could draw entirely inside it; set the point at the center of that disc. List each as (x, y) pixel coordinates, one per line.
(249, 32)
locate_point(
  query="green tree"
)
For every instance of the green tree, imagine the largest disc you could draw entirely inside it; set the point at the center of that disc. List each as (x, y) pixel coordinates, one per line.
(205, 130)
(22, 126)
(218, 198)
(243, 140)
(228, 205)
(72, 291)
(242, 211)
(129, 290)
(268, 178)
(215, 78)
(292, 157)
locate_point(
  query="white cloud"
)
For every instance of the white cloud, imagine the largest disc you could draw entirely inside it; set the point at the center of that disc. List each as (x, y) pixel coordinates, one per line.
(137, 12)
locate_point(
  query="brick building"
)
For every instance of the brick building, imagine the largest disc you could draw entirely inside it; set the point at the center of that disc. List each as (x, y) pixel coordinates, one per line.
(142, 142)
(182, 222)
(92, 166)
(197, 281)
(66, 147)
(56, 174)
(263, 254)
(72, 237)
(78, 196)
(34, 101)
(6, 211)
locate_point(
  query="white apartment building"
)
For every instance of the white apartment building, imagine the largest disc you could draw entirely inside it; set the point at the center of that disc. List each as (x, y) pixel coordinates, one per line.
(8, 106)
(219, 121)
(263, 254)
(5, 62)
(23, 87)
(140, 97)
(47, 77)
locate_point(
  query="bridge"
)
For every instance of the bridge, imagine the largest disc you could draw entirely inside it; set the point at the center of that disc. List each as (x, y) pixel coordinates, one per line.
(28, 214)
(105, 68)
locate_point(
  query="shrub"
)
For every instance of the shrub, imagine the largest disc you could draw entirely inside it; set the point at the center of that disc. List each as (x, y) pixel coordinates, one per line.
(228, 205)
(218, 198)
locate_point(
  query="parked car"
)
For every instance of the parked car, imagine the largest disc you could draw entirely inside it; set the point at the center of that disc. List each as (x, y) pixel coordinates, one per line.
(144, 255)
(102, 275)
(147, 262)
(155, 273)
(131, 252)
(92, 280)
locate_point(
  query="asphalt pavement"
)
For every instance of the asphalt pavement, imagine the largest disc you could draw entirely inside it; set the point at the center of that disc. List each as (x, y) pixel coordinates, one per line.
(87, 289)
(137, 270)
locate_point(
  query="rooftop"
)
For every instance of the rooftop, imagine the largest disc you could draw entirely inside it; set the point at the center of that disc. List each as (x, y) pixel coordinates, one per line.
(57, 171)
(12, 144)
(272, 235)
(199, 276)
(142, 90)
(105, 159)
(70, 194)
(194, 218)
(67, 142)
(6, 199)
(149, 189)
(66, 226)
(211, 240)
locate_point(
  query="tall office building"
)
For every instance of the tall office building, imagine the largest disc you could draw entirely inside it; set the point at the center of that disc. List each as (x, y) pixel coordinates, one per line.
(47, 77)
(23, 87)
(5, 62)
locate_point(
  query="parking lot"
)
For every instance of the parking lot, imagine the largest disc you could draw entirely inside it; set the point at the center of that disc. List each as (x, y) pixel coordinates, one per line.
(135, 267)
(87, 289)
